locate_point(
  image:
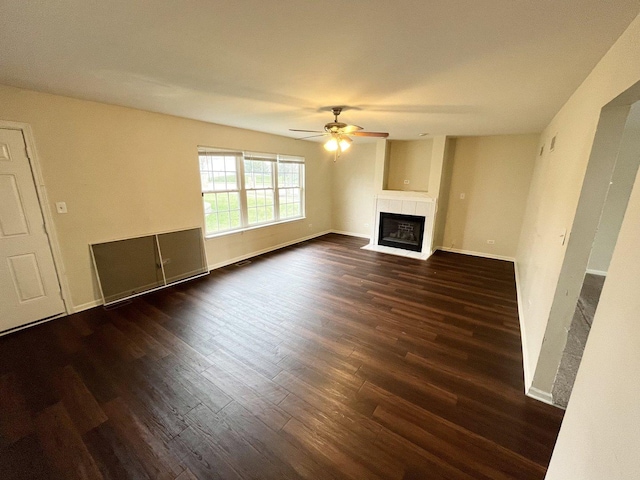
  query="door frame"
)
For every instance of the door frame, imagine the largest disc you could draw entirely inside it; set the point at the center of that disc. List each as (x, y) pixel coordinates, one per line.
(609, 140)
(49, 225)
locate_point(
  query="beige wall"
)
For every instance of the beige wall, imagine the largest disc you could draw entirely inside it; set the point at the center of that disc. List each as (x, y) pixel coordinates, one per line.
(494, 174)
(353, 189)
(125, 172)
(556, 187)
(600, 433)
(409, 160)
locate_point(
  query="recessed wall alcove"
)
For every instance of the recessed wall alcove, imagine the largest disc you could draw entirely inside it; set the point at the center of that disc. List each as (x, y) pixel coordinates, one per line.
(409, 165)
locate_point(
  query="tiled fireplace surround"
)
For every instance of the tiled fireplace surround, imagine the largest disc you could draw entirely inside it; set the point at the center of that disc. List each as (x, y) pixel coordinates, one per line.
(417, 204)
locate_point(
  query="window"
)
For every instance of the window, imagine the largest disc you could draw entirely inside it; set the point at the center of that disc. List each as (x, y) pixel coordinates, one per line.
(290, 173)
(244, 189)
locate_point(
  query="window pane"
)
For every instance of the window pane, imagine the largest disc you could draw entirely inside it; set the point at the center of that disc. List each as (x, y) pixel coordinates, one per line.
(210, 203)
(222, 211)
(232, 181)
(248, 174)
(251, 199)
(253, 215)
(267, 180)
(223, 201)
(234, 218)
(219, 181)
(268, 197)
(218, 172)
(217, 163)
(205, 181)
(234, 201)
(211, 221)
(290, 202)
(258, 174)
(260, 203)
(230, 163)
(224, 220)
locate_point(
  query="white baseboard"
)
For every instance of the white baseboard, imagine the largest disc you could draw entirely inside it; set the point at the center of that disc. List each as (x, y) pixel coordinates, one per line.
(600, 273)
(476, 254)
(529, 390)
(351, 234)
(32, 324)
(86, 306)
(231, 261)
(541, 396)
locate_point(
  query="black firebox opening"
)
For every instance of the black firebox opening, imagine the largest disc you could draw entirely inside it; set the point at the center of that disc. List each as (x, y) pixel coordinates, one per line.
(401, 231)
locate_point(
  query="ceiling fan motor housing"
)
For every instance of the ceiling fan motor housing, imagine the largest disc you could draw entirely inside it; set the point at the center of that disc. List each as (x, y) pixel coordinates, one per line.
(334, 127)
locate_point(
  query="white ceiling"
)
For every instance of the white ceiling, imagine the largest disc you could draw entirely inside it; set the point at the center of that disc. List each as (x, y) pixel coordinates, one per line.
(458, 67)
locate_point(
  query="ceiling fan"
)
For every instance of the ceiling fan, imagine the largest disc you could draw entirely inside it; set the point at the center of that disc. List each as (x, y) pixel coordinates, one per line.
(339, 133)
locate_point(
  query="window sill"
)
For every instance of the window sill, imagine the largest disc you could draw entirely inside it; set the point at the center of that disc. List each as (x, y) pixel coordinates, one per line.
(253, 227)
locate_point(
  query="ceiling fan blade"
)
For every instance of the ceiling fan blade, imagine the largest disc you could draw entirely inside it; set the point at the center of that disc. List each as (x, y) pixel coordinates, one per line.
(370, 134)
(308, 131)
(312, 136)
(350, 128)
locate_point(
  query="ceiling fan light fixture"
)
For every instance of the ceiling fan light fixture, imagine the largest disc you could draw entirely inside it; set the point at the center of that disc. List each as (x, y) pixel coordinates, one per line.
(338, 140)
(331, 145)
(344, 143)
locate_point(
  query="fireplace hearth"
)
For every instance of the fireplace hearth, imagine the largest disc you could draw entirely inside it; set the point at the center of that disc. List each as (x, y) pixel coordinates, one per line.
(401, 231)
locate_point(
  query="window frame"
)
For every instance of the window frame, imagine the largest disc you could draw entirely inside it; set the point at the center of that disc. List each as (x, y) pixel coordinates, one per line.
(255, 157)
(240, 158)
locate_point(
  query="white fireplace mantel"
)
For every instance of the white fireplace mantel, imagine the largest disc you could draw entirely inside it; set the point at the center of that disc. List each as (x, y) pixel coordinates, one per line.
(405, 203)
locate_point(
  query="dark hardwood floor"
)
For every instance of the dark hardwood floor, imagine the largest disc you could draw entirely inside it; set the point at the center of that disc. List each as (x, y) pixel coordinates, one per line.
(319, 361)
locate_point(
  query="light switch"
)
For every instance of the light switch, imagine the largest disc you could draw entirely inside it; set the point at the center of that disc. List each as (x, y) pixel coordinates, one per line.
(462, 195)
(61, 207)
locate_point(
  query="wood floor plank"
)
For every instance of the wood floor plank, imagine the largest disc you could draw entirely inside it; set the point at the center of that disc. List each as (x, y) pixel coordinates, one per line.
(317, 361)
(274, 445)
(78, 401)
(327, 452)
(63, 446)
(205, 391)
(114, 457)
(157, 459)
(25, 459)
(222, 433)
(260, 406)
(15, 421)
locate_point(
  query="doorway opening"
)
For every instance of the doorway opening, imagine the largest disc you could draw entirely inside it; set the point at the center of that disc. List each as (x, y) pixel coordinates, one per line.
(606, 189)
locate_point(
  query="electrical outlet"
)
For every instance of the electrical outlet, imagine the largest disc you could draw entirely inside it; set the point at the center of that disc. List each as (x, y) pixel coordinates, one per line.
(491, 242)
(406, 182)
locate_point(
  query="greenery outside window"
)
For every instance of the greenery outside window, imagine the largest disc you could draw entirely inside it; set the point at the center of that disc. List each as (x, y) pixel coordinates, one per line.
(239, 189)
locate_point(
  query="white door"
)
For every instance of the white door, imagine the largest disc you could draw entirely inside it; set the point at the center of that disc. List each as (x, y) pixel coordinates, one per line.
(29, 287)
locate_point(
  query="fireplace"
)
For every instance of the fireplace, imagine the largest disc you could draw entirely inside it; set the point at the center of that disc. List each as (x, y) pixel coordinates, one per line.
(401, 231)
